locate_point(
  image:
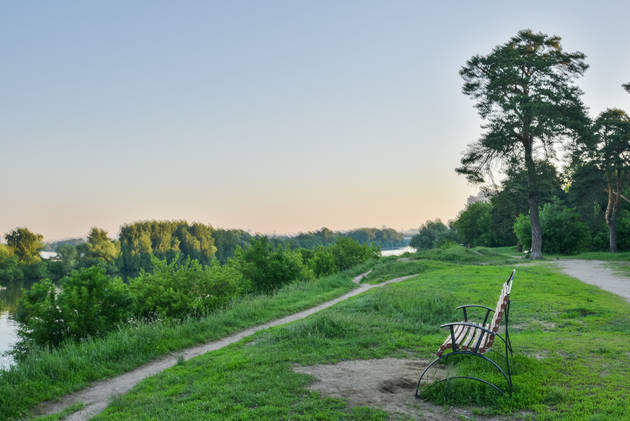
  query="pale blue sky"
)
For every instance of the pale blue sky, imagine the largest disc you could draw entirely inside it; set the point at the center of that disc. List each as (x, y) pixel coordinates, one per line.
(270, 116)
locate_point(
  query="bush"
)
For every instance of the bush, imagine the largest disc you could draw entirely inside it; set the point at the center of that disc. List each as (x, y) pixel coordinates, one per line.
(433, 234)
(88, 303)
(323, 262)
(348, 252)
(523, 231)
(267, 268)
(562, 230)
(187, 289)
(473, 224)
(9, 270)
(623, 230)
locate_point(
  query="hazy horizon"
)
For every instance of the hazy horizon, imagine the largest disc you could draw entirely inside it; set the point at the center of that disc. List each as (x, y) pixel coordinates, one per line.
(275, 117)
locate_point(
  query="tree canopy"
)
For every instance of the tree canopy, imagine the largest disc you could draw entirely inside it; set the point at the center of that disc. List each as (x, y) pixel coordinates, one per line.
(25, 245)
(610, 154)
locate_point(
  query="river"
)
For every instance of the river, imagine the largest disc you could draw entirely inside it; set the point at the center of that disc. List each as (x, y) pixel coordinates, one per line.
(9, 296)
(398, 251)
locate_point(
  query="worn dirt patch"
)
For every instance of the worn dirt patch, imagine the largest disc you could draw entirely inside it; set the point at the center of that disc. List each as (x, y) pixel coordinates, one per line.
(387, 384)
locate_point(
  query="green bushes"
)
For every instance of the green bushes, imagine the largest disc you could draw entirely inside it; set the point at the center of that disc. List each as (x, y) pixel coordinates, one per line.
(562, 230)
(269, 269)
(89, 303)
(188, 289)
(433, 234)
(348, 252)
(474, 226)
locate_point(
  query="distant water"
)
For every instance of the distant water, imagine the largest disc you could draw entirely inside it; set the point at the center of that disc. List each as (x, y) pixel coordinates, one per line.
(8, 338)
(398, 252)
(9, 296)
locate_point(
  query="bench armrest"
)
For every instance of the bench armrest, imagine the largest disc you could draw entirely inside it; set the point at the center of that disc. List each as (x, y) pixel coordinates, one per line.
(473, 325)
(474, 305)
(465, 306)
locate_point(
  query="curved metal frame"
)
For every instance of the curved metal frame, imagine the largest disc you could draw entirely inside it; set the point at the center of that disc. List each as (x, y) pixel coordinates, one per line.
(475, 352)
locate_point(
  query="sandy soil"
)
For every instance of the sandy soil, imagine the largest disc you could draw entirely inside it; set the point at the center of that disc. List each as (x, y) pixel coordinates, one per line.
(98, 396)
(595, 272)
(388, 384)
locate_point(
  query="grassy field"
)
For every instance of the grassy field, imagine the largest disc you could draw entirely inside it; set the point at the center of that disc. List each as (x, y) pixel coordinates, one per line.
(474, 255)
(45, 375)
(571, 362)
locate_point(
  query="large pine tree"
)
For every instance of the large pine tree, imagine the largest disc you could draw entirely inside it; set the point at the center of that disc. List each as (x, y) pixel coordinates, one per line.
(525, 92)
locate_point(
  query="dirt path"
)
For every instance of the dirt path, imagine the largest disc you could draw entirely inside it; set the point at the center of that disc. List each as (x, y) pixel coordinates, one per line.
(595, 272)
(98, 396)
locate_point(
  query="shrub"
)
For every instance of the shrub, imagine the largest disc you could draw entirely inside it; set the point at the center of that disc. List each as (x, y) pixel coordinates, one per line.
(523, 231)
(562, 230)
(88, 303)
(9, 270)
(186, 289)
(473, 224)
(623, 230)
(348, 252)
(433, 234)
(323, 262)
(267, 268)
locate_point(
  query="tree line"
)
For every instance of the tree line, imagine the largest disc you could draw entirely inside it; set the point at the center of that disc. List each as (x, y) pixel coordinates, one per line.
(534, 118)
(138, 243)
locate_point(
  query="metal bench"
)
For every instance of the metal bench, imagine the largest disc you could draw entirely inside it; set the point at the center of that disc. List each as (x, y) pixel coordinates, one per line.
(474, 339)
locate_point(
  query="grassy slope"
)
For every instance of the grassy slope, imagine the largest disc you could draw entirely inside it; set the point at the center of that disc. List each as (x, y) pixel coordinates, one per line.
(45, 375)
(582, 334)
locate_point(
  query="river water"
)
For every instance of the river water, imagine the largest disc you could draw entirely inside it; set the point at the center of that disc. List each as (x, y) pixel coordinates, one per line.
(9, 296)
(398, 252)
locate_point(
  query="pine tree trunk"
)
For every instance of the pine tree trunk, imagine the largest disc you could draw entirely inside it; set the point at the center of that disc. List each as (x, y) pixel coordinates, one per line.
(532, 199)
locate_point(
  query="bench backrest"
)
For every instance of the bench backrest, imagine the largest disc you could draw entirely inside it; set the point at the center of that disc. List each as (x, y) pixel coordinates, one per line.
(502, 303)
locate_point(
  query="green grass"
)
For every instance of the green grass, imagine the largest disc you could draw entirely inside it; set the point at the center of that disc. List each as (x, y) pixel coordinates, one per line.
(389, 269)
(475, 255)
(596, 255)
(571, 342)
(45, 375)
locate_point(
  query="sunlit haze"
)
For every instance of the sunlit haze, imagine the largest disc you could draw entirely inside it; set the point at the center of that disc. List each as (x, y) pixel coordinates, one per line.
(276, 117)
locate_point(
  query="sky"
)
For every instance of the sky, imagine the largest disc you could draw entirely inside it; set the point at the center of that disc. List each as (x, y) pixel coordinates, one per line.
(274, 116)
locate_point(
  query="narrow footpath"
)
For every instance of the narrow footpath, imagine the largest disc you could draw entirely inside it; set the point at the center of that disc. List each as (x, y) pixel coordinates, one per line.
(596, 273)
(98, 396)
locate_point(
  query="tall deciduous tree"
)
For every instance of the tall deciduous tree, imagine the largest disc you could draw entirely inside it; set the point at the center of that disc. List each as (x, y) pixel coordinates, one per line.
(524, 90)
(100, 247)
(611, 155)
(25, 244)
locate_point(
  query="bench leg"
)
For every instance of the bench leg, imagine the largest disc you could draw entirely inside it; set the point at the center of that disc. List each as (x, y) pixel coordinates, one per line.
(445, 356)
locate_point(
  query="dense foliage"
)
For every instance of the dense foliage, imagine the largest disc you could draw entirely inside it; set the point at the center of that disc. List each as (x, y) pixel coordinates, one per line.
(89, 302)
(562, 230)
(188, 289)
(433, 234)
